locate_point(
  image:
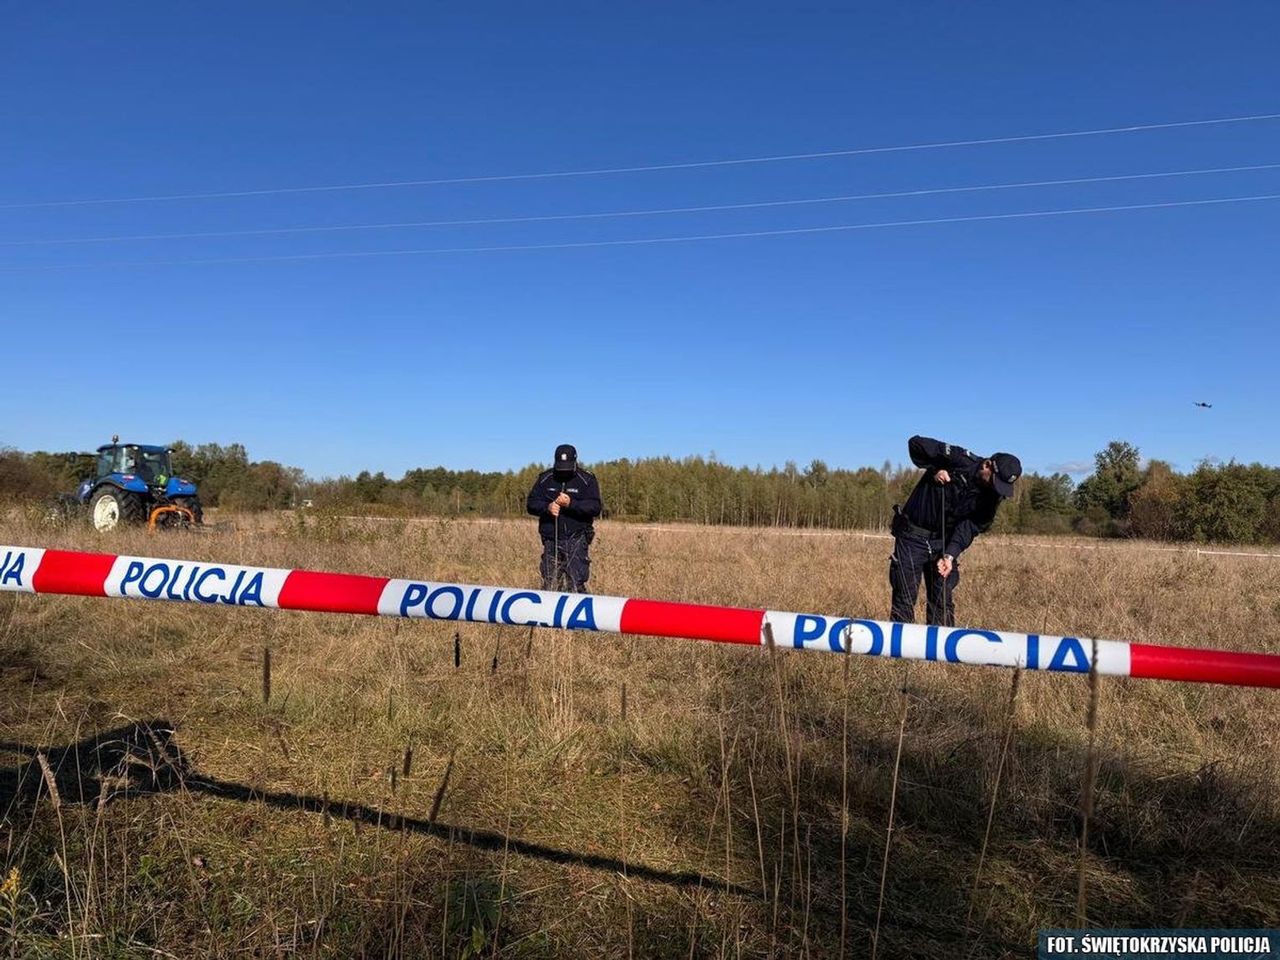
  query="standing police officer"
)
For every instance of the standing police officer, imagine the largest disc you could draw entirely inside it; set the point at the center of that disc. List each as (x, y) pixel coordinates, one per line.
(566, 501)
(952, 503)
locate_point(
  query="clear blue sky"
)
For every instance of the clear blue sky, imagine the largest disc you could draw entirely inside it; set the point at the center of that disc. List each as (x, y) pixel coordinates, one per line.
(1047, 337)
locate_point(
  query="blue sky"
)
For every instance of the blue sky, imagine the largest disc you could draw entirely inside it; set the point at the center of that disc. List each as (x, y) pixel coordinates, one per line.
(1047, 337)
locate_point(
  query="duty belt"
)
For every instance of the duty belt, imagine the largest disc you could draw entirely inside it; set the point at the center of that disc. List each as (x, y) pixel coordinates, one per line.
(902, 525)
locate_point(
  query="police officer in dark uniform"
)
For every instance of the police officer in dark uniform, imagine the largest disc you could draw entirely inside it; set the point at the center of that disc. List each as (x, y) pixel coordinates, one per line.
(953, 502)
(566, 501)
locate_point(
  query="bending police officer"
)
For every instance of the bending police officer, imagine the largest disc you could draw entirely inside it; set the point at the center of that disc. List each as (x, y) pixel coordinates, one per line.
(566, 501)
(952, 503)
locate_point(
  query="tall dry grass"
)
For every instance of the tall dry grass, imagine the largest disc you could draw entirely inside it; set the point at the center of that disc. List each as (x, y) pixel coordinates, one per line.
(383, 802)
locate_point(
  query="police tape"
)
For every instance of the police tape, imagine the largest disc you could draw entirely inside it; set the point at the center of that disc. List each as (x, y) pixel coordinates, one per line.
(37, 570)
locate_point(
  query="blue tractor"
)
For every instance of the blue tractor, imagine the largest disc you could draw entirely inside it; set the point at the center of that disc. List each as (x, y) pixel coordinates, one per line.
(134, 483)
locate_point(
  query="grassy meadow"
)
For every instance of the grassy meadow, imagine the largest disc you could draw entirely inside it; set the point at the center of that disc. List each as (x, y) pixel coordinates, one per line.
(577, 795)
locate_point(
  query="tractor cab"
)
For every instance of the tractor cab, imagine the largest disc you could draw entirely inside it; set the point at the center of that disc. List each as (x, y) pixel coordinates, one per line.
(131, 461)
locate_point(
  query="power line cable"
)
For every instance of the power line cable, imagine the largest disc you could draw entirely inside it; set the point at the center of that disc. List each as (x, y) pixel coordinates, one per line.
(710, 208)
(651, 240)
(648, 168)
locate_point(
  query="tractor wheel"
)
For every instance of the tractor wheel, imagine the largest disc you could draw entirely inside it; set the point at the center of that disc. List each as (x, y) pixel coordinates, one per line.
(192, 504)
(111, 507)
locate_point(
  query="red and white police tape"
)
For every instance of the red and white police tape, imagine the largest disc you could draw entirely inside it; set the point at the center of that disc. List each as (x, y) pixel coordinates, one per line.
(37, 570)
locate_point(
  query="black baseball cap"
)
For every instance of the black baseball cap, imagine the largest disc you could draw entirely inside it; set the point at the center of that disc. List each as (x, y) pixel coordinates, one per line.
(1005, 469)
(566, 458)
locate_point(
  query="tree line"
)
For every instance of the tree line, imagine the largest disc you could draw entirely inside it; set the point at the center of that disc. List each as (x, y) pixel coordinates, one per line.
(1125, 496)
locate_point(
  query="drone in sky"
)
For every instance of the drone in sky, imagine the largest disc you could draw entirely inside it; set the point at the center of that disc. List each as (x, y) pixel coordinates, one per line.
(1201, 403)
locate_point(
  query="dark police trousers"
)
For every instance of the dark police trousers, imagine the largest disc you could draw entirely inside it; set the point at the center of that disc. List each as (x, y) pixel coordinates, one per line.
(915, 557)
(572, 568)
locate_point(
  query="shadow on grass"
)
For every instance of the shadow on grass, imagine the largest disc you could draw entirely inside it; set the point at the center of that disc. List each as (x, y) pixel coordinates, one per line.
(144, 758)
(1169, 846)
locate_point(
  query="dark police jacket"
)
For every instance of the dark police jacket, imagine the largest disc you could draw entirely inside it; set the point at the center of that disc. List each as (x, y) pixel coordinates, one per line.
(575, 519)
(970, 505)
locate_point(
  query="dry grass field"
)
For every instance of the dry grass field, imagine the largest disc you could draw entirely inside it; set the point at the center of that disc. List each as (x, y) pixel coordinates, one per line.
(383, 802)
